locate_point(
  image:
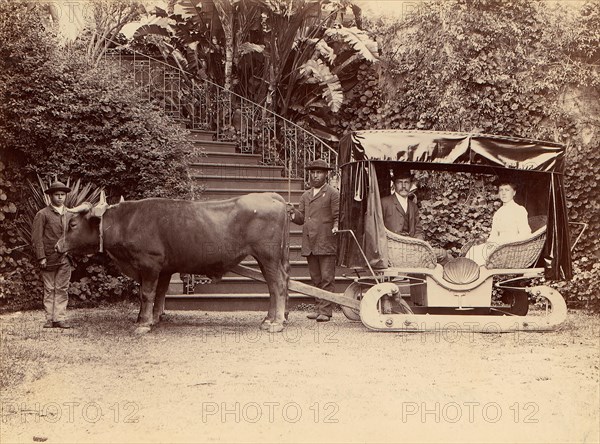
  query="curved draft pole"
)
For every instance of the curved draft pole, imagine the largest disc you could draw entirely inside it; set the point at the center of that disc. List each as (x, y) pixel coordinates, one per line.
(583, 228)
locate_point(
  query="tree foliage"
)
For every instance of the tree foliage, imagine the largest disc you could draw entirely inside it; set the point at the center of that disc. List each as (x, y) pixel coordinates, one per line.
(61, 117)
(298, 58)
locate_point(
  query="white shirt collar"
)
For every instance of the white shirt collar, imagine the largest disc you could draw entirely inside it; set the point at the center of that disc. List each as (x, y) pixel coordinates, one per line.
(60, 210)
(317, 190)
(403, 201)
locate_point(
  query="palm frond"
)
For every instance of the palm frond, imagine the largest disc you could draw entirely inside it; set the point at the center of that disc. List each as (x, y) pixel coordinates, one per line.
(39, 199)
(247, 48)
(323, 49)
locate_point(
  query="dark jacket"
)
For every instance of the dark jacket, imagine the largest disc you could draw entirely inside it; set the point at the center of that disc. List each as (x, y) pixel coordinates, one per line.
(48, 227)
(318, 215)
(394, 217)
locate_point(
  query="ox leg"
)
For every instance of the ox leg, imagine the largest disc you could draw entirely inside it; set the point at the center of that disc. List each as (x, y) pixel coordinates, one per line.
(277, 277)
(159, 300)
(147, 296)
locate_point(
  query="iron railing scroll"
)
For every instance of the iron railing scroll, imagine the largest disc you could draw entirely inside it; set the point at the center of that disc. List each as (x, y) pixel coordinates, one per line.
(202, 104)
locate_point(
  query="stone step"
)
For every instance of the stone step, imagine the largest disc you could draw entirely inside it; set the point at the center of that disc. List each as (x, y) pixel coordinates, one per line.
(183, 123)
(224, 193)
(228, 158)
(240, 284)
(202, 135)
(214, 146)
(295, 236)
(298, 269)
(227, 170)
(296, 250)
(232, 302)
(248, 183)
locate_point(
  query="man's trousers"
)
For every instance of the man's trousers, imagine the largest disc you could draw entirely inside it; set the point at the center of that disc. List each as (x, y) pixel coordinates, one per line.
(322, 275)
(56, 297)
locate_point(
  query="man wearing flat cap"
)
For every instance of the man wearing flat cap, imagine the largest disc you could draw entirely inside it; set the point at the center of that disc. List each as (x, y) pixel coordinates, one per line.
(318, 213)
(48, 227)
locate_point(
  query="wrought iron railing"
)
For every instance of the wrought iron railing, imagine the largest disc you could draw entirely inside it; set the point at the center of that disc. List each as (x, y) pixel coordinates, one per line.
(202, 104)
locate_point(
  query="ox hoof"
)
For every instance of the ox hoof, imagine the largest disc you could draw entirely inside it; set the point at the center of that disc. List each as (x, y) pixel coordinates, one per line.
(266, 324)
(142, 330)
(275, 327)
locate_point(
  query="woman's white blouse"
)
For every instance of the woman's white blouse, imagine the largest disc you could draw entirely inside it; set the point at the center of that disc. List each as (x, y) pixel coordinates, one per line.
(509, 224)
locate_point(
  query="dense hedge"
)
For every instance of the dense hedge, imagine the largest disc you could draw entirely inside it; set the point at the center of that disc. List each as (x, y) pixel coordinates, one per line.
(62, 117)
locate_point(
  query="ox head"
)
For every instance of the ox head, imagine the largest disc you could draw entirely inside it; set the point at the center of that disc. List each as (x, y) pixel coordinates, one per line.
(82, 233)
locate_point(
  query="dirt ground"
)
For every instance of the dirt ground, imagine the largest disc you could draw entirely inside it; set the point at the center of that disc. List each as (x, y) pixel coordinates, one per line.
(215, 377)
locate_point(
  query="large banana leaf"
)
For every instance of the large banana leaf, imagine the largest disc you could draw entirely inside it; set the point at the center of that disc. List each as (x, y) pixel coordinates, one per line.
(358, 39)
(157, 26)
(315, 71)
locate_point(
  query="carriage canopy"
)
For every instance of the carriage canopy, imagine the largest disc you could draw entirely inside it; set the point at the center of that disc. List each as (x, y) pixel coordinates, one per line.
(366, 158)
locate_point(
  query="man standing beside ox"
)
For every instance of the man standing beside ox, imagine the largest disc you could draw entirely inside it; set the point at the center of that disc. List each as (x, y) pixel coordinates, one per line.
(48, 227)
(318, 212)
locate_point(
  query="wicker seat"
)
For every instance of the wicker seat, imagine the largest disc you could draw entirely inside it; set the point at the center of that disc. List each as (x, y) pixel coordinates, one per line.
(519, 254)
(409, 252)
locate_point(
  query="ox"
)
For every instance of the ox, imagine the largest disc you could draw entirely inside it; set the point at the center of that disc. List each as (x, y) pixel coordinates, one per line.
(151, 239)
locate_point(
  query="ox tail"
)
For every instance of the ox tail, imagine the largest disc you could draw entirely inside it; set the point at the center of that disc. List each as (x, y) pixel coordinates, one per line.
(285, 245)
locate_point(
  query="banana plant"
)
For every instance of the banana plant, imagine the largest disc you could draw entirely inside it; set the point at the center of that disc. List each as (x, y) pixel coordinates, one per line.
(297, 58)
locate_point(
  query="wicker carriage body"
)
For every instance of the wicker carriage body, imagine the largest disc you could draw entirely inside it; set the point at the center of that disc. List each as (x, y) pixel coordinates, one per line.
(408, 252)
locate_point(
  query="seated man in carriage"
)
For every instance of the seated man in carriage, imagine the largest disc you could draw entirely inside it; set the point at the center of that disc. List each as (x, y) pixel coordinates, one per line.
(401, 214)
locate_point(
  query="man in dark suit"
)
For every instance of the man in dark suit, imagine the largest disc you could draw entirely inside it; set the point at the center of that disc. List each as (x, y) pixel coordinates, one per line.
(318, 213)
(401, 214)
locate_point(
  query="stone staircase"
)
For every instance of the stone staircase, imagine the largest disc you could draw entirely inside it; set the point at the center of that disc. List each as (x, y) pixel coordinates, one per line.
(225, 173)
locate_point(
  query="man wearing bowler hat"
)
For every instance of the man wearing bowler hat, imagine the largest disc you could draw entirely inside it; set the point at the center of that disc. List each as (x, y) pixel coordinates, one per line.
(49, 225)
(401, 214)
(318, 213)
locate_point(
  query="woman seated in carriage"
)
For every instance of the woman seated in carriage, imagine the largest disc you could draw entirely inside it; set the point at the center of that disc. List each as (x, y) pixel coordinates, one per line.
(510, 223)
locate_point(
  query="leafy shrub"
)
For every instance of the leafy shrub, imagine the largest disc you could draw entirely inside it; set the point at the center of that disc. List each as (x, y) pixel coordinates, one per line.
(456, 208)
(96, 280)
(584, 289)
(60, 117)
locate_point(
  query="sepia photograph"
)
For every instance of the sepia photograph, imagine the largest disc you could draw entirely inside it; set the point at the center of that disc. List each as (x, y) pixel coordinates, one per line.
(300, 221)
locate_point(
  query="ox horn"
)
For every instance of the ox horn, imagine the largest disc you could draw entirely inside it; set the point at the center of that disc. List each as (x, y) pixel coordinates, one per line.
(98, 210)
(82, 208)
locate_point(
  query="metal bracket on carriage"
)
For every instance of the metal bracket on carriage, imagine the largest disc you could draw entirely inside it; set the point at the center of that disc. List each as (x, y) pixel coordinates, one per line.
(202, 279)
(191, 280)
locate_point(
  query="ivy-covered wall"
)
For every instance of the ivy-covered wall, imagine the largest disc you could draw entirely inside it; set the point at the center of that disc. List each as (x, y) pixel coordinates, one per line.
(524, 68)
